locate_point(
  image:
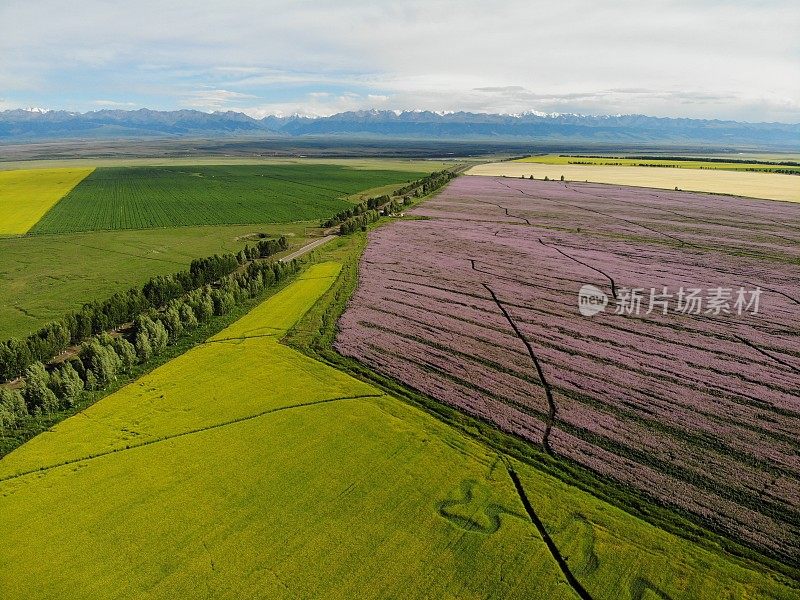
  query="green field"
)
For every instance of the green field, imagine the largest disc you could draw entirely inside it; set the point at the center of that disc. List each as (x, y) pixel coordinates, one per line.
(44, 276)
(699, 163)
(63, 266)
(246, 469)
(26, 195)
(147, 197)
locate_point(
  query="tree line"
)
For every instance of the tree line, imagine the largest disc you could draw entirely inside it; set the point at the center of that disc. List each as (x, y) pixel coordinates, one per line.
(16, 355)
(104, 357)
(360, 219)
(356, 210)
(418, 188)
(426, 185)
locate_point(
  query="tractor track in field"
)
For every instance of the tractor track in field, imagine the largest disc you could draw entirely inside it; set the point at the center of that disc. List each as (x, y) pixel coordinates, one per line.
(185, 434)
(576, 585)
(766, 353)
(591, 210)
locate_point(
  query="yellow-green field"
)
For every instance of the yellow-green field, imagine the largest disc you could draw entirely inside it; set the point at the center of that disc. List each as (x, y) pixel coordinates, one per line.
(770, 186)
(246, 469)
(558, 159)
(26, 195)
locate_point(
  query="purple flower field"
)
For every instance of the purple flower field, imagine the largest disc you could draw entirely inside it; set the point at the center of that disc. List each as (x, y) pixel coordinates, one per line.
(477, 306)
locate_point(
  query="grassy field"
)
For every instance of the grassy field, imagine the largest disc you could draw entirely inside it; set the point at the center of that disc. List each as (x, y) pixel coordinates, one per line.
(244, 468)
(770, 186)
(26, 195)
(44, 276)
(558, 159)
(148, 197)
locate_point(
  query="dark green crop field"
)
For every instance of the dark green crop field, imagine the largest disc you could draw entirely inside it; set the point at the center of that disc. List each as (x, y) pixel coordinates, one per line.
(150, 197)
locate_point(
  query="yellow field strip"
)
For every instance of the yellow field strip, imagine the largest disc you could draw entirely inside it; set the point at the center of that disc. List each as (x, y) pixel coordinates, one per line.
(26, 195)
(770, 186)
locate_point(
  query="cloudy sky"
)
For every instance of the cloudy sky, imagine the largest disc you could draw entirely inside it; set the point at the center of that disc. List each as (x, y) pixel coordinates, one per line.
(703, 58)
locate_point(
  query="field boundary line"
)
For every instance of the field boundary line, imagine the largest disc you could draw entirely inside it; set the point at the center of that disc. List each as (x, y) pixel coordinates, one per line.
(242, 338)
(186, 433)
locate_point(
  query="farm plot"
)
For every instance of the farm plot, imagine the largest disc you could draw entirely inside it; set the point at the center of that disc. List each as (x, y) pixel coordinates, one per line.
(44, 276)
(245, 469)
(26, 195)
(765, 165)
(149, 197)
(773, 186)
(477, 306)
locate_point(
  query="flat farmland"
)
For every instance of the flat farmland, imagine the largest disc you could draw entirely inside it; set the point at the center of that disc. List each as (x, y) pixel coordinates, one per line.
(772, 186)
(125, 224)
(244, 468)
(477, 306)
(113, 198)
(718, 163)
(44, 276)
(26, 195)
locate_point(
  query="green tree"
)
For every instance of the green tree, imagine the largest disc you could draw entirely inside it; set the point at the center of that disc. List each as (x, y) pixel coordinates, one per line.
(205, 307)
(126, 352)
(101, 360)
(188, 318)
(12, 408)
(144, 349)
(67, 385)
(171, 320)
(39, 398)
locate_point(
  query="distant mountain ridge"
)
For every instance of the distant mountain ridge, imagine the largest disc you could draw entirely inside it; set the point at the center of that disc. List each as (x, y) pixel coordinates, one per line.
(36, 125)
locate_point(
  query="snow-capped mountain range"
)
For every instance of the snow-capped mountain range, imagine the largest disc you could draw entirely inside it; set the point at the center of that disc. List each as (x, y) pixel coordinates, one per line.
(41, 124)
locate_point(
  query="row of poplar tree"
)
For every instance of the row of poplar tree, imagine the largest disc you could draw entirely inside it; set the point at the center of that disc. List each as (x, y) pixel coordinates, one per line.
(102, 358)
(16, 355)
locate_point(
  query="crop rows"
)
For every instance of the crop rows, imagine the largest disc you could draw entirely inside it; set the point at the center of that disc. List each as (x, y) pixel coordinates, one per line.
(150, 197)
(477, 307)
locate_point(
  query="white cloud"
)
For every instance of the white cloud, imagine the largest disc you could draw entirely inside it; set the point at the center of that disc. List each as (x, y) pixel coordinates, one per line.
(705, 58)
(210, 100)
(318, 104)
(113, 104)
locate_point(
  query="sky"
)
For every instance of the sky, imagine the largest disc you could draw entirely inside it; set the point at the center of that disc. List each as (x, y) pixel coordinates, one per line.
(703, 59)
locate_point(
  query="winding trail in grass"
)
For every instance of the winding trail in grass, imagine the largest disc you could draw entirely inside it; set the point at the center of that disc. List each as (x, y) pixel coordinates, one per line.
(551, 546)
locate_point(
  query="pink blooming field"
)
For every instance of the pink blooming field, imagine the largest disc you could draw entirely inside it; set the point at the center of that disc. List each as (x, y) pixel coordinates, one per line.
(477, 306)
